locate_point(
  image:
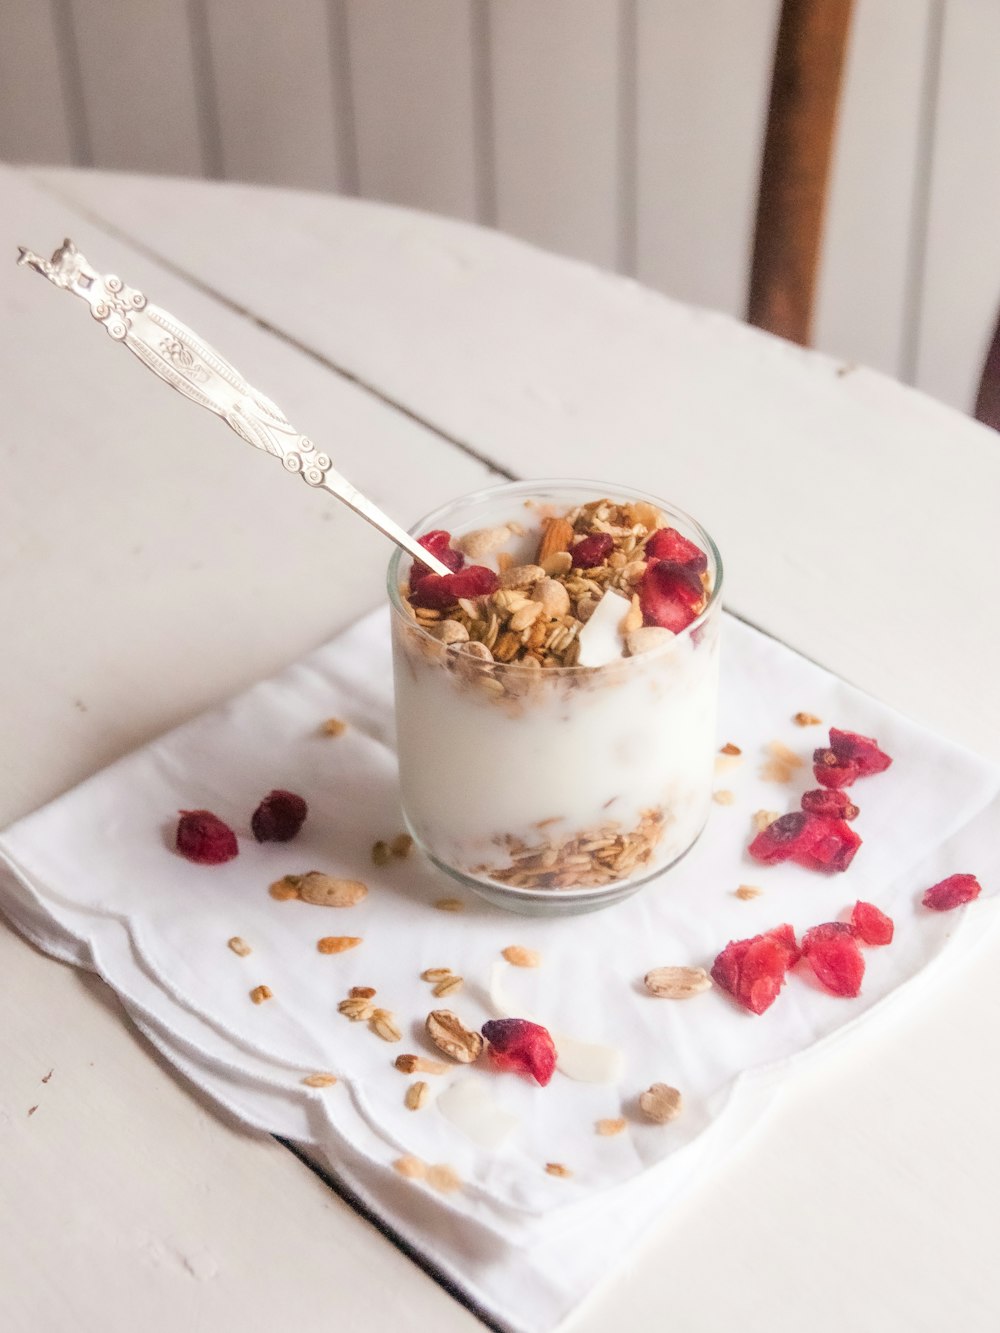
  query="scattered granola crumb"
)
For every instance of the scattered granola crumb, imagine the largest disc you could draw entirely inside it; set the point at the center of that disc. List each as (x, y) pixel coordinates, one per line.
(807, 720)
(356, 1009)
(723, 797)
(677, 983)
(381, 853)
(781, 765)
(383, 1024)
(660, 1103)
(447, 984)
(450, 905)
(730, 748)
(412, 1168)
(416, 1095)
(435, 973)
(240, 947)
(361, 992)
(419, 1064)
(449, 1034)
(401, 846)
(333, 726)
(261, 993)
(444, 1179)
(781, 752)
(609, 1128)
(746, 892)
(319, 1080)
(338, 943)
(285, 889)
(764, 819)
(518, 956)
(557, 1169)
(48, 1076)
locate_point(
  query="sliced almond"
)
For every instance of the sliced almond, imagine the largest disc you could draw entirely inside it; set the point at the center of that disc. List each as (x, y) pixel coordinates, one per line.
(411, 1168)
(383, 1024)
(326, 891)
(519, 956)
(557, 533)
(338, 943)
(677, 983)
(319, 1080)
(261, 993)
(661, 1103)
(240, 947)
(449, 1034)
(448, 984)
(416, 1095)
(608, 1128)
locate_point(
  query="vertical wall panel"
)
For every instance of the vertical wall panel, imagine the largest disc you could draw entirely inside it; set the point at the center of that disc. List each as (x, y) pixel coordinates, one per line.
(138, 86)
(961, 280)
(273, 74)
(865, 267)
(555, 117)
(703, 81)
(34, 116)
(411, 79)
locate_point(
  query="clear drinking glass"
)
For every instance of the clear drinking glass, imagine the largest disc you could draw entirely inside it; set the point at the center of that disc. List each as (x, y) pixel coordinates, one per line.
(562, 789)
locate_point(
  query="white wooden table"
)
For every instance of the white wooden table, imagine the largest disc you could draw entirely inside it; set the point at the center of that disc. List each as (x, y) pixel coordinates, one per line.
(151, 565)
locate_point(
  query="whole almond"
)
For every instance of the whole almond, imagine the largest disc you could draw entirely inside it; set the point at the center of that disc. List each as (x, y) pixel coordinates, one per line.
(556, 536)
(326, 891)
(661, 1103)
(677, 983)
(449, 1034)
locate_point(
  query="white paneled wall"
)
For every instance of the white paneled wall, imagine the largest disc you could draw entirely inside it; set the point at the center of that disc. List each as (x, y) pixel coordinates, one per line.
(624, 132)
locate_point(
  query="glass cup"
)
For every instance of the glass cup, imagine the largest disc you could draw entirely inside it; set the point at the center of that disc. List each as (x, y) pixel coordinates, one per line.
(559, 789)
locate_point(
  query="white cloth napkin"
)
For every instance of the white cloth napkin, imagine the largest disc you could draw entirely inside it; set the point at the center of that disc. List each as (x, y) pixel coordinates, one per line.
(92, 878)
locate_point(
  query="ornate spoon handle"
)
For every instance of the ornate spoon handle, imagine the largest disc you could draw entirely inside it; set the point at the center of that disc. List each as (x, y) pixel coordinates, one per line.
(176, 354)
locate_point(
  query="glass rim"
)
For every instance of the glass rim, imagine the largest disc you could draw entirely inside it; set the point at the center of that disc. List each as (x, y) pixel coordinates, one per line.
(434, 519)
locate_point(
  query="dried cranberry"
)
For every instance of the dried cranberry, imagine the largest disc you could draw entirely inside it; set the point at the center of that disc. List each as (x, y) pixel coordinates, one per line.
(870, 925)
(279, 817)
(831, 804)
(753, 970)
(438, 543)
(834, 956)
(785, 839)
(669, 595)
(203, 837)
(850, 748)
(952, 892)
(440, 591)
(833, 772)
(592, 550)
(833, 847)
(669, 544)
(521, 1047)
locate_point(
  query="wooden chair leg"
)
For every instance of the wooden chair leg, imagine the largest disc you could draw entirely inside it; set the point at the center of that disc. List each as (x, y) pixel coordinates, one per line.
(805, 88)
(988, 398)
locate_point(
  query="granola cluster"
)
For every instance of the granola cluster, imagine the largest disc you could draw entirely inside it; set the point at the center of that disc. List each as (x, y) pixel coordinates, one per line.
(532, 613)
(590, 860)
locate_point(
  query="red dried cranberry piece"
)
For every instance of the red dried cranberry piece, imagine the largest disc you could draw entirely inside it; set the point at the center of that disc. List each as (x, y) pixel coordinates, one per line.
(669, 544)
(833, 772)
(668, 595)
(279, 817)
(870, 925)
(850, 748)
(753, 970)
(521, 1047)
(785, 839)
(440, 591)
(438, 542)
(204, 838)
(592, 550)
(832, 849)
(831, 804)
(952, 892)
(834, 956)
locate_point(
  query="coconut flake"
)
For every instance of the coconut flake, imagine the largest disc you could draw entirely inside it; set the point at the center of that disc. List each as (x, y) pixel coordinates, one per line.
(601, 638)
(470, 1108)
(588, 1062)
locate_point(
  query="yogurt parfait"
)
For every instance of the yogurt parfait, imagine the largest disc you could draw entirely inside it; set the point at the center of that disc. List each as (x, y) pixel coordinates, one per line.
(556, 693)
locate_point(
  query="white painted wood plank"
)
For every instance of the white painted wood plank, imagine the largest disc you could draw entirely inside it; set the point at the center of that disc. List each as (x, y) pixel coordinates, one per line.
(278, 103)
(865, 264)
(703, 78)
(555, 120)
(138, 83)
(414, 116)
(34, 115)
(961, 280)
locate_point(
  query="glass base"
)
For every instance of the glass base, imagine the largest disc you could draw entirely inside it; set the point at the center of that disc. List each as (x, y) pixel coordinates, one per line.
(554, 902)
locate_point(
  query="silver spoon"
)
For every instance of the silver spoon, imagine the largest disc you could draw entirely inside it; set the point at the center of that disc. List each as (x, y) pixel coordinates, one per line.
(176, 354)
